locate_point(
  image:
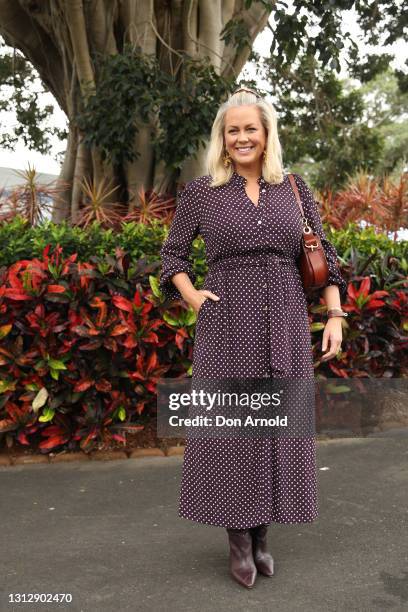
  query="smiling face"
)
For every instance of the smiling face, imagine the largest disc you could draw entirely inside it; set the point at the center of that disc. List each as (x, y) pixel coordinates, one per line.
(245, 137)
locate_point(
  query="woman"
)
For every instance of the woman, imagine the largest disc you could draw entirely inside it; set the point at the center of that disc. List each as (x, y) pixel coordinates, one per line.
(252, 321)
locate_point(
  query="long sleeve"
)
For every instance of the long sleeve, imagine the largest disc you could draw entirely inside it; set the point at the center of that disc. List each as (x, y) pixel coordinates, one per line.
(312, 214)
(176, 249)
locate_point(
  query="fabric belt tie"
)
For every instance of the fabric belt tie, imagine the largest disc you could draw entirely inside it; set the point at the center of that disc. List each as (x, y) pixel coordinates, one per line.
(280, 350)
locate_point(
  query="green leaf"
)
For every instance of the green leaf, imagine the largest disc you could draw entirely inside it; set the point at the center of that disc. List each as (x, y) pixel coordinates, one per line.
(337, 388)
(317, 326)
(7, 385)
(47, 415)
(154, 284)
(54, 374)
(170, 320)
(56, 364)
(190, 317)
(122, 413)
(31, 387)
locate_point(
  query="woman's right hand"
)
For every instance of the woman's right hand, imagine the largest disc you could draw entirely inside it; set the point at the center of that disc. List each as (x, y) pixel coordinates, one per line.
(199, 298)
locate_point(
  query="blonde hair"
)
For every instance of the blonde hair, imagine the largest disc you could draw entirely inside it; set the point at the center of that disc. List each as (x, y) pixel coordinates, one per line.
(272, 170)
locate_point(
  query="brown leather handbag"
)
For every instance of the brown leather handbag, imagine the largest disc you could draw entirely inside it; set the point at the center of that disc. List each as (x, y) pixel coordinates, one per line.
(313, 266)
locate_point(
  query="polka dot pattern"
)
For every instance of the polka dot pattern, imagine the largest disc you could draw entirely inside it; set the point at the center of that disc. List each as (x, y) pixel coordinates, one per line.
(259, 327)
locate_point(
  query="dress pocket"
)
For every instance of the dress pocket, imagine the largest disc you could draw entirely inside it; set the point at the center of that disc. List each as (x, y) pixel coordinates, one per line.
(199, 314)
(202, 306)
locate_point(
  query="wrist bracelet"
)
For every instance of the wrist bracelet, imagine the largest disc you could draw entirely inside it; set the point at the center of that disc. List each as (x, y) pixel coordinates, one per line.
(336, 312)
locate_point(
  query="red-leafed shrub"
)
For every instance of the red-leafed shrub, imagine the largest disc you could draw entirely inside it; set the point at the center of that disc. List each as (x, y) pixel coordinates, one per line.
(83, 344)
(381, 203)
(81, 348)
(375, 337)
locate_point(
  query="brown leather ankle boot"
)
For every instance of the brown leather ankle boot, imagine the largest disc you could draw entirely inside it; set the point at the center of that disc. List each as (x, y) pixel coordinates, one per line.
(262, 558)
(242, 566)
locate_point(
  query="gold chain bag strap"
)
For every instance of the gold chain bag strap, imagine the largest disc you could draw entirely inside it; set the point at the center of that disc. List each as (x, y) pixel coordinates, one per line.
(313, 266)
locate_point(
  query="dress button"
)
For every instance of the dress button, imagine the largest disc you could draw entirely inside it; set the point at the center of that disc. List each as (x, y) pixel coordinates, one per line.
(265, 285)
(259, 221)
(265, 308)
(263, 189)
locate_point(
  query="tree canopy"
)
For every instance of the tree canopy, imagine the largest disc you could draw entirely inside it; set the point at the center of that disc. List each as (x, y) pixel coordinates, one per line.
(140, 82)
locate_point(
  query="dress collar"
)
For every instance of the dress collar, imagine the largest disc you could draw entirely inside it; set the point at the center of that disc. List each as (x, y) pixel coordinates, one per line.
(238, 179)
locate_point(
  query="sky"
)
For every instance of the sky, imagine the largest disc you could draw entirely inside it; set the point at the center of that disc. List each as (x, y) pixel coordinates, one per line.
(48, 164)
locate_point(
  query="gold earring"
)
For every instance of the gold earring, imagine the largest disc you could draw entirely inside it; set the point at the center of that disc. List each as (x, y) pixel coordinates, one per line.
(264, 154)
(227, 159)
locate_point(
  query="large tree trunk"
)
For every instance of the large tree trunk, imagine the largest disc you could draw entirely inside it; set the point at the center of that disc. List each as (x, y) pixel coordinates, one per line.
(59, 36)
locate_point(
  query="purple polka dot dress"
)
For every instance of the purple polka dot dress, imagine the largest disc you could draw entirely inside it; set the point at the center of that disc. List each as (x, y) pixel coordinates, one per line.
(258, 328)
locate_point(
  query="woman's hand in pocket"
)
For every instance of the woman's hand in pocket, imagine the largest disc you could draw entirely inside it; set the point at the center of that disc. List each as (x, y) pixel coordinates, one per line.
(199, 297)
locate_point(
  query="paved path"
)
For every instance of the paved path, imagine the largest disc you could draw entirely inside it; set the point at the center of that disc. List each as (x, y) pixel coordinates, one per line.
(109, 534)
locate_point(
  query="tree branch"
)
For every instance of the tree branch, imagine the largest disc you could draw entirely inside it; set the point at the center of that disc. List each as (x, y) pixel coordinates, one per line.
(100, 17)
(256, 19)
(21, 31)
(76, 23)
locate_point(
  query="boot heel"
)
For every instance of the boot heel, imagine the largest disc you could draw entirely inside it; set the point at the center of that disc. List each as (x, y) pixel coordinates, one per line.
(262, 558)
